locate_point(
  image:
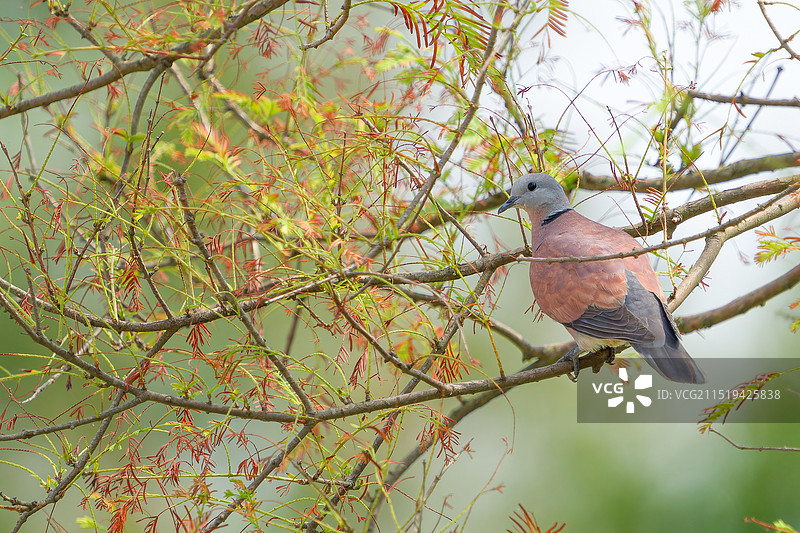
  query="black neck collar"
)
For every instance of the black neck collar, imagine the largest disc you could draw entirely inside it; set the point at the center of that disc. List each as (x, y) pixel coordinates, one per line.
(552, 216)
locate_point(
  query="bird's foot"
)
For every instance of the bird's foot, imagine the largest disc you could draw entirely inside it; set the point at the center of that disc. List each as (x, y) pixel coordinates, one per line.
(607, 355)
(574, 356)
(612, 355)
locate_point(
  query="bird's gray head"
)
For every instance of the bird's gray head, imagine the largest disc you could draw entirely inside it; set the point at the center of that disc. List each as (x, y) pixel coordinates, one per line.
(538, 194)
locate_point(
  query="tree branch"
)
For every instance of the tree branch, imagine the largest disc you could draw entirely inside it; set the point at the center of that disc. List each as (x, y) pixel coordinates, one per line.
(696, 180)
(744, 100)
(59, 491)
(72, 424)
(776, 207)
(677, 215)
(741, 304)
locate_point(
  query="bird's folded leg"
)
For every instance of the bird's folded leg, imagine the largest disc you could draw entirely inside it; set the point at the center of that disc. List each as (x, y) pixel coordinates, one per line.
(574, 356)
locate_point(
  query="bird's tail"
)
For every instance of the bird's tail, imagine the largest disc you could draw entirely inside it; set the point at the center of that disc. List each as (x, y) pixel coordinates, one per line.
(670, 359)
(672, 362)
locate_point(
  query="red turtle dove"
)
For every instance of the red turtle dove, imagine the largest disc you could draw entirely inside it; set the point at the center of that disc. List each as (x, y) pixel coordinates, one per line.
(605, 303)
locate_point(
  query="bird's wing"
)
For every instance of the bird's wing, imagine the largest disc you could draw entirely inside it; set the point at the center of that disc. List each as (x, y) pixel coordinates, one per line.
(637, 320)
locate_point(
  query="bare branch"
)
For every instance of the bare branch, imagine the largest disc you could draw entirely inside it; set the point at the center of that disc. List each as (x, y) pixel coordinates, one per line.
(695, 180)
(119, 71)
(741, 304)
(86, 33)
(783, 42)
(778, 206)
(673, 217)
(72, 424)
(677, 215)
(462, 388)
(744, 100)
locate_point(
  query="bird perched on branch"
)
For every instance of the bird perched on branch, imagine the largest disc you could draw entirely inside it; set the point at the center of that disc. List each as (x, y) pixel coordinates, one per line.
(605, 303)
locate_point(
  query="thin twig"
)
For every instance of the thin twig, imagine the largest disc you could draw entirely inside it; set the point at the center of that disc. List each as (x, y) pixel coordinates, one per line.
(73, 424)
(414, 207)
(755, 448)
(739, 137)
(783, 42)
(388, 356)
(64, 368)
(248, 121)
(269, 467)
(162, 66)
(148, 276)
(86, 33)
(682, 213)
(443, 214)
(453, 418)
(331, 31)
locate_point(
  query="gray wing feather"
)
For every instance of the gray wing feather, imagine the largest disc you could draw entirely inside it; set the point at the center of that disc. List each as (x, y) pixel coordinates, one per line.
(619, 324)
(644, 321)
(637, 320)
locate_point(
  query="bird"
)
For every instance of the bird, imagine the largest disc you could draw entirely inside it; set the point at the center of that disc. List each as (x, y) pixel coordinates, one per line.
(602, 304)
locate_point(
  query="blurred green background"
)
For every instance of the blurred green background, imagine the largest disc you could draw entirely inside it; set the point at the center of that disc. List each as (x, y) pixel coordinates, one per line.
(527, 448)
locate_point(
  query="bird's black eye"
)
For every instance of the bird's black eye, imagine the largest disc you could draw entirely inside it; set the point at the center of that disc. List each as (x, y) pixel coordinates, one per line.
(531, 186)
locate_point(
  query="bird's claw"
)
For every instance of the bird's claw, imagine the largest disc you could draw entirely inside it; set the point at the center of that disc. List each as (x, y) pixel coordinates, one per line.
(610, 356)
(574, 356)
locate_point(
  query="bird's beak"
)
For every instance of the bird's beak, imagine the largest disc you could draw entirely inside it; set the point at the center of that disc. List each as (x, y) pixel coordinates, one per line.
(511, 202)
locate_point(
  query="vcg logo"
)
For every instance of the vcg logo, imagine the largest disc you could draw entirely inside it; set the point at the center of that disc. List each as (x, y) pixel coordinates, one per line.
(617, 391)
